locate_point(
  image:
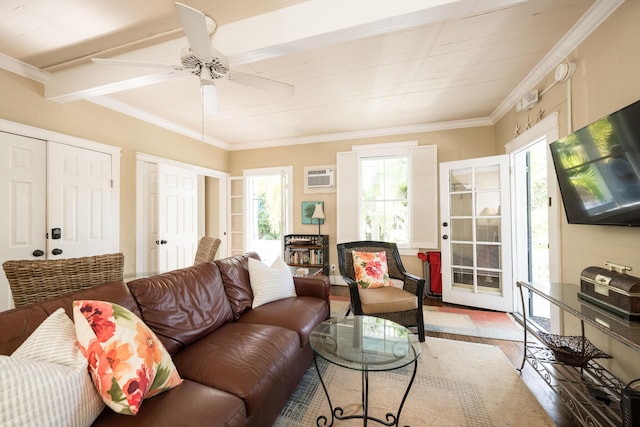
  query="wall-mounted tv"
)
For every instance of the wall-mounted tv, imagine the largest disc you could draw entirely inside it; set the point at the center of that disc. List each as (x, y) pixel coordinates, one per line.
(598, 170)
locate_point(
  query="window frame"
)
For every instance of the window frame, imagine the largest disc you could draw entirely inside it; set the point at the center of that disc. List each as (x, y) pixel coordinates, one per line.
(422, 195)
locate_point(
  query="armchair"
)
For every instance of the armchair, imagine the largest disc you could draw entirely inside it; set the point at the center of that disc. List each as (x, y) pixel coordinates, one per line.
(403, 306)
(207, 248)
(36, 280)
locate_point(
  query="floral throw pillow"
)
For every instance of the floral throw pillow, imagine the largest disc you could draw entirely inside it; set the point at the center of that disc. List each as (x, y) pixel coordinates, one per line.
(371, 269)
(127, 362)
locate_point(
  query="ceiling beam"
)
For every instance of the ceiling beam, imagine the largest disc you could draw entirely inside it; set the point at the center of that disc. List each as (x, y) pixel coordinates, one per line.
(308, 25)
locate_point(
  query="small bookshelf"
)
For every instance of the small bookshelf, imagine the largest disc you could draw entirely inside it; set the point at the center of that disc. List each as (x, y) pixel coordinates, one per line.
(307, 250)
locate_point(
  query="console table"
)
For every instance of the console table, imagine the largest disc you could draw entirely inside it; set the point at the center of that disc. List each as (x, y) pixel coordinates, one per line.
(591, 393)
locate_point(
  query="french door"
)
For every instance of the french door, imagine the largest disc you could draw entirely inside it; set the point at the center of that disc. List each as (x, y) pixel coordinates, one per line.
(475, 233)
(60, 202)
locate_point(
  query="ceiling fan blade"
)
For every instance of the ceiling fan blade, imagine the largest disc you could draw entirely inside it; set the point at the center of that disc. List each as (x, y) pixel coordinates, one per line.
(278, 88)
(209, 99)
(195, 27)
(103, 61)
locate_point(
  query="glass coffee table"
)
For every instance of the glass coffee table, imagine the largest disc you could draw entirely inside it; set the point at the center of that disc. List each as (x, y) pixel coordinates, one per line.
(365, 344)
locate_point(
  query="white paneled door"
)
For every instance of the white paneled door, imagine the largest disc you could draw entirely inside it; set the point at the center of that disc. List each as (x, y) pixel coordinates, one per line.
(79, 202)
(177, 237)
(475, 233)
(23, 189)
(59, 202)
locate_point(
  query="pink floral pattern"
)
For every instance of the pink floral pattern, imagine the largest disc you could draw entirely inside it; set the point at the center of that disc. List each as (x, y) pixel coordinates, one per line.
(127, 362)
(371, 269)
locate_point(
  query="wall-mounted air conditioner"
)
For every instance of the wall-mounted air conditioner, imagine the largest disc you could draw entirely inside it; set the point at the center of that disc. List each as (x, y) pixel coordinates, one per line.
(319, 179)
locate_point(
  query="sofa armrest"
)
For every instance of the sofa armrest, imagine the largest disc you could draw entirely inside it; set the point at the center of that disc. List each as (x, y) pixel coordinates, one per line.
(313, 286)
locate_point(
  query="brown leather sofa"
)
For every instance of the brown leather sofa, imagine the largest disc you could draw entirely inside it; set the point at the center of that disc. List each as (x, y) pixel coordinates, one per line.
(239, 365)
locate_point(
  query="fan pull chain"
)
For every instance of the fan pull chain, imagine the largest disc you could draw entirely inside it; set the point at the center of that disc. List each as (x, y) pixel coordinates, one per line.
(202, 109)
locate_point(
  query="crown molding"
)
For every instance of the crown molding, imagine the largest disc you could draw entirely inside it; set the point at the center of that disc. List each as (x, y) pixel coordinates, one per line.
(120, 107)
(23, 69)
(596, 15)
(363, 134)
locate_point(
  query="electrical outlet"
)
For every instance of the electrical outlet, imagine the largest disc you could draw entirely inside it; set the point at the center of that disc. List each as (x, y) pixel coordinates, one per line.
(333, 268)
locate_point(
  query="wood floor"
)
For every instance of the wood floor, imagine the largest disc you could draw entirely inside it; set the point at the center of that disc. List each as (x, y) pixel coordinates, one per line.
(513, 350)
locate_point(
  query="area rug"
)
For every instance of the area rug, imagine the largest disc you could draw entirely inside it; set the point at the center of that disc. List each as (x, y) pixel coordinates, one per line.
(458, 384)
(475, 323)
(339, 305)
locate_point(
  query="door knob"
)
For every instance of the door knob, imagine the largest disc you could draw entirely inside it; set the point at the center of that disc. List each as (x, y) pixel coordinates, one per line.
(163, 242)
(37, 253)
(56, 251)
(445, 237)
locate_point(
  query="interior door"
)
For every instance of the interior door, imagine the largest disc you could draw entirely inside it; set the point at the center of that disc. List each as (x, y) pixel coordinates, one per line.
(79, 194)
(177, 217)
(23, 216)
(475, 233)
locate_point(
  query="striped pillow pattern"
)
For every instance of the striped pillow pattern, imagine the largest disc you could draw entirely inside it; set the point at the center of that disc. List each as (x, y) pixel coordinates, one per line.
(46, 382)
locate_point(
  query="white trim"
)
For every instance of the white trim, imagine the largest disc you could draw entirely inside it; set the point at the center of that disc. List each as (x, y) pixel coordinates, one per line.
(287, 226)
(363, 134)
(396, 146)
(23, 69)
(199, 169)
(544, 128)
(145, 116)
(223, 224)
(48, 135)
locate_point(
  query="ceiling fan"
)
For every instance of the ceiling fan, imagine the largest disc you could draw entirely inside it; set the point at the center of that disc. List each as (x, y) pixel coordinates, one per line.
(206, 62)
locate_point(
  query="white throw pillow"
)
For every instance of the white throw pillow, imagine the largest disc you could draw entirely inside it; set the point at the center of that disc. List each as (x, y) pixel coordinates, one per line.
(270, 283)
(46, 382)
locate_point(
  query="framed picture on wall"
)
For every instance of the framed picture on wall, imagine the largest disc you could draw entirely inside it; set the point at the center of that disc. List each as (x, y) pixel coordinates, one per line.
(307, 212)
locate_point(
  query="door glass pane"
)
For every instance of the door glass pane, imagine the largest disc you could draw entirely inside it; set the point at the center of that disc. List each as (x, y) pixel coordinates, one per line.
(460, 180)
(488, 256)
(487, 230)
(462, 276)
(488, 203)
(489, 281)
(460, 204)
(487, 178)
(461, 229)
(462, 254)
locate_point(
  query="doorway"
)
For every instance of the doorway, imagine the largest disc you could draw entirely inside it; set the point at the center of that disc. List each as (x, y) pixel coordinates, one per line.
(269, 211)
(535, 211)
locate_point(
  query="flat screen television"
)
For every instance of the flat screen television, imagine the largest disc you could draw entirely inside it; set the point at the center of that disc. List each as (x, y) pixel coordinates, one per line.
(598, 170)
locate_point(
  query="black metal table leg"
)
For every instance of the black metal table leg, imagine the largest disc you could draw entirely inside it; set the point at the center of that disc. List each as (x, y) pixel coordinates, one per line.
(337, 412)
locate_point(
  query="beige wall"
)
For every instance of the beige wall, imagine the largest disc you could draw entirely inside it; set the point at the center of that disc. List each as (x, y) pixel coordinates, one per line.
(606, 80)
(22, 101)
(452, 145)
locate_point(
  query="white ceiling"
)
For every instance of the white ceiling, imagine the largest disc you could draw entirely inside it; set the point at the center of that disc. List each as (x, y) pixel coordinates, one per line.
(359, 67)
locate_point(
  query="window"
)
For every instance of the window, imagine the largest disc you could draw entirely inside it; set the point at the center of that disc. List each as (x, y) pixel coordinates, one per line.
(384, 199)
(388, 192)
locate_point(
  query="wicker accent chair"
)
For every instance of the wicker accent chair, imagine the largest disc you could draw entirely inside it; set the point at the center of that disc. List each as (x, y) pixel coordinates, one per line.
(36, 280)
(207, 248)
(403, 306)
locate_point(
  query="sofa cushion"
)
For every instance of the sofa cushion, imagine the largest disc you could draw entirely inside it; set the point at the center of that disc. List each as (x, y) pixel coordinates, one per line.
(126, 360)
(182, 306)
(302, 315)
(249, 361)
(270, 283)
(190, 405)
(45, 381)
(235, 276)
